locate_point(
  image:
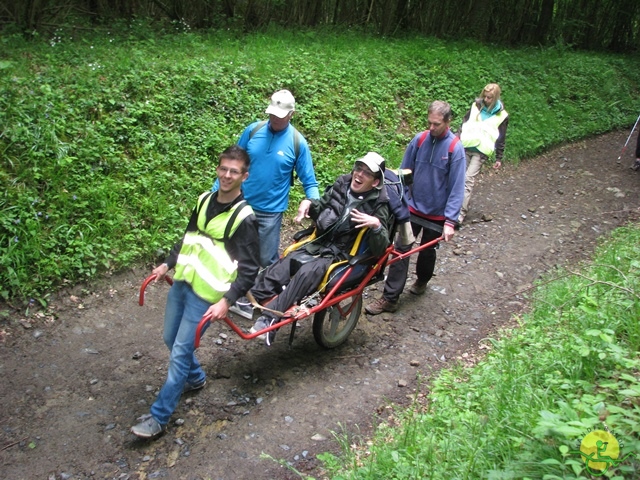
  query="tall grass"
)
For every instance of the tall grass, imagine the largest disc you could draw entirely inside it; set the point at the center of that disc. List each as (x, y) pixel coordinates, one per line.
(106, 140)
(522, 412)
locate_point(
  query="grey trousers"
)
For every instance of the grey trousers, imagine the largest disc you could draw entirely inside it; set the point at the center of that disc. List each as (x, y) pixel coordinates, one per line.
(475, 160)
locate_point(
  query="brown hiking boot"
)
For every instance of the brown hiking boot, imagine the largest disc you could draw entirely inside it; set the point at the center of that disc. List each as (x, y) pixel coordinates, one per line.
(418, 287)
(381, 305)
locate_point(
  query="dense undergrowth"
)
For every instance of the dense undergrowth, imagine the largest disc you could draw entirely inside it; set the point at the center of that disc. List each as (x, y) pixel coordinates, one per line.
(527, 411)
(106, 140)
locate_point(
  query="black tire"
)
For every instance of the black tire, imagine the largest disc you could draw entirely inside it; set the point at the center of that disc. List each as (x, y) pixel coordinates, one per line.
(331, 328)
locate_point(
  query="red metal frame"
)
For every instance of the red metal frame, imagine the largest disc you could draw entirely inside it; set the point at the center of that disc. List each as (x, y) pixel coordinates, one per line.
(146, 282)
(296, 313)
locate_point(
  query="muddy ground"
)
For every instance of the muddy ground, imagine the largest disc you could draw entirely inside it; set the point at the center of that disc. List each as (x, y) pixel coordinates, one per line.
(76, 377)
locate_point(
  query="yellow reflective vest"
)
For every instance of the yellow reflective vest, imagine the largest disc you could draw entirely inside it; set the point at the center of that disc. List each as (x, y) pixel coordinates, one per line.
(482, 134)
(203, 262)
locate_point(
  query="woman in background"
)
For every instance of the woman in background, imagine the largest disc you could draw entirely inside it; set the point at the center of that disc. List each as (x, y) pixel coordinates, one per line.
(483, 133)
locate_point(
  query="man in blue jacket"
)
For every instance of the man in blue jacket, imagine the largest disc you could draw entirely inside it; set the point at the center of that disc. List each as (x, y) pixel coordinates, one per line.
(438, 163)
(276, 150)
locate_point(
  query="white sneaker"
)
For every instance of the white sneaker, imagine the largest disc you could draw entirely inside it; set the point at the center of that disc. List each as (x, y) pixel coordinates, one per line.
(262, 323)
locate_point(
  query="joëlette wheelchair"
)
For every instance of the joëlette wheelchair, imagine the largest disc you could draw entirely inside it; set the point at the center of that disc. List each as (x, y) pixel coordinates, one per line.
(337, 303)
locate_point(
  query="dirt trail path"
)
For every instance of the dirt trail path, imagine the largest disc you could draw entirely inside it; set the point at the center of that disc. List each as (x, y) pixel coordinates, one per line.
(73, 385)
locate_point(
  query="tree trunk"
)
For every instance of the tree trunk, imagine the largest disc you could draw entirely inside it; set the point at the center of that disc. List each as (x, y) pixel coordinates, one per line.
(545, 20)
(622, 35)
(228, 8)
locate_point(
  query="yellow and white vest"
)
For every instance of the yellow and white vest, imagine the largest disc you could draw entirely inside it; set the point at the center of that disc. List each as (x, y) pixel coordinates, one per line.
(482, 134)
(203, 262)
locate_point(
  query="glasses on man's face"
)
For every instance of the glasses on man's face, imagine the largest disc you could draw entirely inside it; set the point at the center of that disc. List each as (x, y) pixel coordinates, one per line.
(364, 171)
(222, 171)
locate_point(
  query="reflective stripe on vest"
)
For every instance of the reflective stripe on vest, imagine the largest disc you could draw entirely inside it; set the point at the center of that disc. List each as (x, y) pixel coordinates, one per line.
(482, 134)
(203, 261)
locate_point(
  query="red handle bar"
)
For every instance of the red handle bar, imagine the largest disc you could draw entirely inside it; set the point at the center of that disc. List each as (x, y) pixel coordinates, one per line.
(147, 281)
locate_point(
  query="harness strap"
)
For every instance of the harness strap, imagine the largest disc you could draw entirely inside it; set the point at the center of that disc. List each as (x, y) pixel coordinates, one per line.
(241, 205)
(227, 230)
(452, 145)
(423, 222)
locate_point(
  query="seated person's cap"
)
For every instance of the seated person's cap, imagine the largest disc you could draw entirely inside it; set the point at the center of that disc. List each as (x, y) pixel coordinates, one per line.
(376, 164)
(374, 161)
(282, 102)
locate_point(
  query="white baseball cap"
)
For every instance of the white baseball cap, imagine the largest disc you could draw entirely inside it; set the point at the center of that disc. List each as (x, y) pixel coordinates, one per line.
(282, 102)
(374, 161)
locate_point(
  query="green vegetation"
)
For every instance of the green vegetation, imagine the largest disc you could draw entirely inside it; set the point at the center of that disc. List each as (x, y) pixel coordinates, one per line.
(106, 140)
(523, 411)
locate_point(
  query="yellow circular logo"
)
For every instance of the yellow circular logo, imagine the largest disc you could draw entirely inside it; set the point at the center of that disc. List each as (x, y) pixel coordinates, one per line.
(599, 450)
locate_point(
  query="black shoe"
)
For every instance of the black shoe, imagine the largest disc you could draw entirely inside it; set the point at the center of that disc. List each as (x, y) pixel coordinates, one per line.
(243, 308)
(636, 165)
(271, 336)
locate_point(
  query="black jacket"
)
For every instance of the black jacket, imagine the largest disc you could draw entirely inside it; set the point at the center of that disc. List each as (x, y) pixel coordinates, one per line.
(337, 232)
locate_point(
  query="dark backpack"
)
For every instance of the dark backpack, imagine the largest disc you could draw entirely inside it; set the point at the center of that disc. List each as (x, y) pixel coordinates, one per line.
(296, 144)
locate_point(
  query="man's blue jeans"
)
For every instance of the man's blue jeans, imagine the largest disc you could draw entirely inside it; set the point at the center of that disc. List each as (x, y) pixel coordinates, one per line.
(269, 225)
(182, 314)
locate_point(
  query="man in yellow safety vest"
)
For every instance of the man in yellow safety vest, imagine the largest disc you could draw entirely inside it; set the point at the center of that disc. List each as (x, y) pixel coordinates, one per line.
(215, 263)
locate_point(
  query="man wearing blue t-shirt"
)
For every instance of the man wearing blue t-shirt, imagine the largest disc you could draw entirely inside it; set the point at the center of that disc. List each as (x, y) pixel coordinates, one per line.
(276, 150)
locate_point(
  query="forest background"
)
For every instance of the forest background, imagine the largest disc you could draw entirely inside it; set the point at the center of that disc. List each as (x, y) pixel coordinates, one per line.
(584, 24)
